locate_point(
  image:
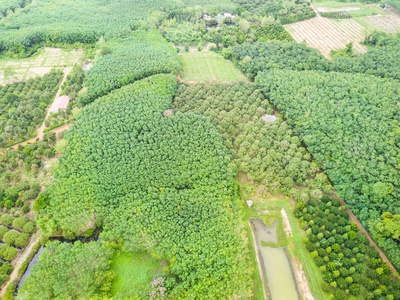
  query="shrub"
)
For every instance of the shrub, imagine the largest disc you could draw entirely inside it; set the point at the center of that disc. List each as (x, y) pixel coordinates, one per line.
(10, 236)
(21, 240)
(7, 252)
(19, 222)
(29, 227)
(6, 219)
(3, 230)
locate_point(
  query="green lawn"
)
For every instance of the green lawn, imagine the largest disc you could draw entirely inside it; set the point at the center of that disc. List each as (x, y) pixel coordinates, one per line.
(209, 66)
(134, 272)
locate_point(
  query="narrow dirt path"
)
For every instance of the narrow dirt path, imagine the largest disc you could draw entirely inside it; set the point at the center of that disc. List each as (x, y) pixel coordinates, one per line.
(55, 130)
(361, 228)
(18, 263)
(41, 128)
(39, 131)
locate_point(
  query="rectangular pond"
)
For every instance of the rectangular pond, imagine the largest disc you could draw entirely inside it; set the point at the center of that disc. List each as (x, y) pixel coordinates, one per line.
(276, 266)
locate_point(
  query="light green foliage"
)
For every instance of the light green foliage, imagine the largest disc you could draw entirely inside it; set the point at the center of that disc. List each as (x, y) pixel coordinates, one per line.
(208, 66)
(267, 152)
(23, 105)
(139, 56)
(19, 222)
(66, 270)
(3, 230)
(10, 236)
(21, 239)
(181, 33)
(386, 231)
(7, 252)
(6, 219)
(161, 183)
(29, 227)
(133, 274)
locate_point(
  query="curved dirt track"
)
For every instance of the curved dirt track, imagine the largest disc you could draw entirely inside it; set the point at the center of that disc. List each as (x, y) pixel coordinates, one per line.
(361, 228)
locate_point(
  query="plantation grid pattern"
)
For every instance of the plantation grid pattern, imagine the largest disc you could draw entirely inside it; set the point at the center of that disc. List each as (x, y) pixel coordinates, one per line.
(326, 34)
(389, 23)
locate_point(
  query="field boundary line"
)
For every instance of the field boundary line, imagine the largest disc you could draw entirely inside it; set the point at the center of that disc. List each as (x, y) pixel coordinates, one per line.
(361, 228)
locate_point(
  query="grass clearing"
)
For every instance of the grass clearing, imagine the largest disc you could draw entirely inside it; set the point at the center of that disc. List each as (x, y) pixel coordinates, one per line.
(209, 66)
(134, 272)
(12, 70)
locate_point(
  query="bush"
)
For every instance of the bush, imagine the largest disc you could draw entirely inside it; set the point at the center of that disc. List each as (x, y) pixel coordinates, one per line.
(29, 227)
(7, 252)
(6, 268)
(3, 230)
(10, 236)
(19, 222)
(6, 219)
(21, 240)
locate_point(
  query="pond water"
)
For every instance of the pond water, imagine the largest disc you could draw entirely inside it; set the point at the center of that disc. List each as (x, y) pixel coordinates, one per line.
(275, 263)
(28, 269)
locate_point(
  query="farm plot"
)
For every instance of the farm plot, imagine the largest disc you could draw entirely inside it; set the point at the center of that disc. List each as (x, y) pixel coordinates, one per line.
(388, 22)
(12, 70)
(328, 34)
(209, 66)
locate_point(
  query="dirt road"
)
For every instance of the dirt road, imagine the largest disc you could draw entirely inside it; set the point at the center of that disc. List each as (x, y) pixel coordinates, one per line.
(39, 131)
(361, 228)
(40, 136)
(18, 263)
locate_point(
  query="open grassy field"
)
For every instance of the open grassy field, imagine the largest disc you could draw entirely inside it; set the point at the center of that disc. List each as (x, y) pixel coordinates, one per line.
(134, 271)
(208, 66)
(328, 34)
(354, 9)
(40, 63)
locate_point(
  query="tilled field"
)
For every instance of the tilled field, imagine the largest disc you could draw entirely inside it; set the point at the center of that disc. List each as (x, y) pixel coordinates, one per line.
(389, 23)
(327, 34)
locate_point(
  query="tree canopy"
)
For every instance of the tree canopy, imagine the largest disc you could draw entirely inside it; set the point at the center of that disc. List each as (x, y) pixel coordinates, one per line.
(163, 184)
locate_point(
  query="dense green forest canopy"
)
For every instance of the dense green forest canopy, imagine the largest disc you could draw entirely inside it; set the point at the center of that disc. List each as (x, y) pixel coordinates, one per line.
(126, 60)
(9, 6)
(69, 271)
(382, 59)
(163, 184)
(267, 152)
(253, 58)
(350, 124)
(69, 21)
